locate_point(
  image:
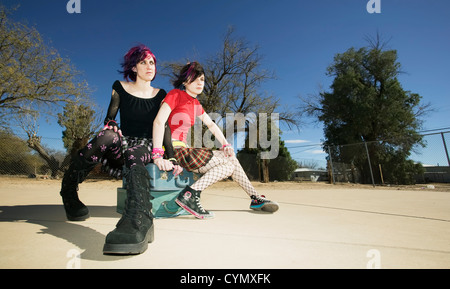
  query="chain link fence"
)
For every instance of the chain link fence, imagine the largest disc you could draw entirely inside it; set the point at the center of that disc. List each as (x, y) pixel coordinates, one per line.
(17, 159)
(364, 163)
(354, 163)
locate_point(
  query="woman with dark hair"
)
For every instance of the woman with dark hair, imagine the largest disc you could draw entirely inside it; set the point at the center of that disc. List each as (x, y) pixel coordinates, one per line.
(129, 145)
(180, 108)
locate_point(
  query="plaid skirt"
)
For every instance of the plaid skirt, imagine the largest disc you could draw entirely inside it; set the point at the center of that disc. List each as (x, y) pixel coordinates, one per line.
(192, 159)
(129, 142)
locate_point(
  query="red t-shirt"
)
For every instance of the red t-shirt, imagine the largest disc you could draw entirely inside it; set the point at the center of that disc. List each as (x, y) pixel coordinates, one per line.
(185, 109)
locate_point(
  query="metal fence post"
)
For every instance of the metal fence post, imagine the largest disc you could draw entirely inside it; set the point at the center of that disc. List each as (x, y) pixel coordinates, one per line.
(445, 147)
(370, 165)
(331, 163)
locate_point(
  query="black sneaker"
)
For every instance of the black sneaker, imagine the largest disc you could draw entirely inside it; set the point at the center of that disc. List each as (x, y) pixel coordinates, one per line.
(189, 199)
(260, 203)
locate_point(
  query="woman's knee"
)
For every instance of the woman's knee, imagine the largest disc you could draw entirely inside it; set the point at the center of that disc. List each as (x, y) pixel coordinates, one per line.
(230, 169)
(108, 136)
(137, 156)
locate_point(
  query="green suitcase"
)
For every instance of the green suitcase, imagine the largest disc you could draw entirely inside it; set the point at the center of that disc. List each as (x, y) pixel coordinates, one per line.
(164, 188)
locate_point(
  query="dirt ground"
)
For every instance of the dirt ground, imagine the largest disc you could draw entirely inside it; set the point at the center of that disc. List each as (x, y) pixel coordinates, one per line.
(439, 187)
(318, 225)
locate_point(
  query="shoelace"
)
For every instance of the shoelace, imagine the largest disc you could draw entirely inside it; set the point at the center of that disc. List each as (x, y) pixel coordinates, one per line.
(136, 204)
(260, 199)
(199, 205)
(135, 213)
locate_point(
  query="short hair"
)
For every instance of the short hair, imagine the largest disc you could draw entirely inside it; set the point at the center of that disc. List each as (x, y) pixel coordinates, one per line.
(135, 55)
(188, 73)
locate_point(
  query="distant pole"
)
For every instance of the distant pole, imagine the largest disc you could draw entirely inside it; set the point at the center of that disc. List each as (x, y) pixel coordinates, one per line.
(331, 164)
(370, 165)
(381, 173)
(445, 147)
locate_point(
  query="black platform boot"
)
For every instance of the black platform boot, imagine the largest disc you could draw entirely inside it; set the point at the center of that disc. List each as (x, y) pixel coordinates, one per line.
(76, 173)
(134, 230)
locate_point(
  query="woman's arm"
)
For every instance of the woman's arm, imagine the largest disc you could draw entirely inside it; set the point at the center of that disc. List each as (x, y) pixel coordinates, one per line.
(167, 143)
(215, 130)
(113, 108)
(158, 125)
(159, 130)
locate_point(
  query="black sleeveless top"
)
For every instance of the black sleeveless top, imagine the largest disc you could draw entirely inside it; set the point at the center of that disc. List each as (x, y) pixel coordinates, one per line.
(136, 114)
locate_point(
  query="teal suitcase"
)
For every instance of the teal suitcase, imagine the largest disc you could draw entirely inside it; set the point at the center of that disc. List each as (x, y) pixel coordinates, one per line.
(164, 189)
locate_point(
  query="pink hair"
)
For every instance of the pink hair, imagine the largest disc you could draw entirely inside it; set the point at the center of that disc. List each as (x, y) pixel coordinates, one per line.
(132, 58)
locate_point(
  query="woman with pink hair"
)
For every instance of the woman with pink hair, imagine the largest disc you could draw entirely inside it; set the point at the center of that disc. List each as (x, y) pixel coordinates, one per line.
(129, 146)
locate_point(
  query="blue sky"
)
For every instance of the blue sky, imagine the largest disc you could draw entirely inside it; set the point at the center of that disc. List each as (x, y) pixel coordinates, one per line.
(298, 39)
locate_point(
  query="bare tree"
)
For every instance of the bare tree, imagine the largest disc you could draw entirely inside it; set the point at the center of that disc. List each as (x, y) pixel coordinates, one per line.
(234, 80)
(234, 77)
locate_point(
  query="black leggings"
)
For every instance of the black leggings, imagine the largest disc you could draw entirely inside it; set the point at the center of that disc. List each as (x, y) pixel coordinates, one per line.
(106, 148)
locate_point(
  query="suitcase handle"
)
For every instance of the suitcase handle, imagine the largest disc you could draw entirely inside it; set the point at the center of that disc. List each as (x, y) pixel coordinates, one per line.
(181, 182)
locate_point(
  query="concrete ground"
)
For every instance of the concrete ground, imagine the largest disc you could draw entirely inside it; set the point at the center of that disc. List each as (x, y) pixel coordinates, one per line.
(317, 226)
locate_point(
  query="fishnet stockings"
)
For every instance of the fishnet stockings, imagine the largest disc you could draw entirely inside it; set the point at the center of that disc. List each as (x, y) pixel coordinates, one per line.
(221, 167)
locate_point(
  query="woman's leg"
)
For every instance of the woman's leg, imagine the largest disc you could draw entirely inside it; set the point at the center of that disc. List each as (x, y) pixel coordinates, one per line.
(135, 229)
(220, 167)
(106, 144)
(80, 166)
(259, 203)
(138, 155)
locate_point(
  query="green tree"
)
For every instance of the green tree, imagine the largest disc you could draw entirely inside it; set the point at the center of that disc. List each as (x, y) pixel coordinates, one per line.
(80, 125)
(279, 168)
(36, 81)
(282, 167)
(16, 157)
(368, 104)
(34, 78)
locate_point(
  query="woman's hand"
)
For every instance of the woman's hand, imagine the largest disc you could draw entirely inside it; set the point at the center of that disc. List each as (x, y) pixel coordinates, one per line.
(177, 170)
(228, 150)
(113, 127)
(163, 165)
(166, 165)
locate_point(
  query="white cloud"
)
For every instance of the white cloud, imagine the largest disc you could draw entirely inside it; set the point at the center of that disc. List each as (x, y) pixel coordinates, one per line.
(316, 152)
(296, 141)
